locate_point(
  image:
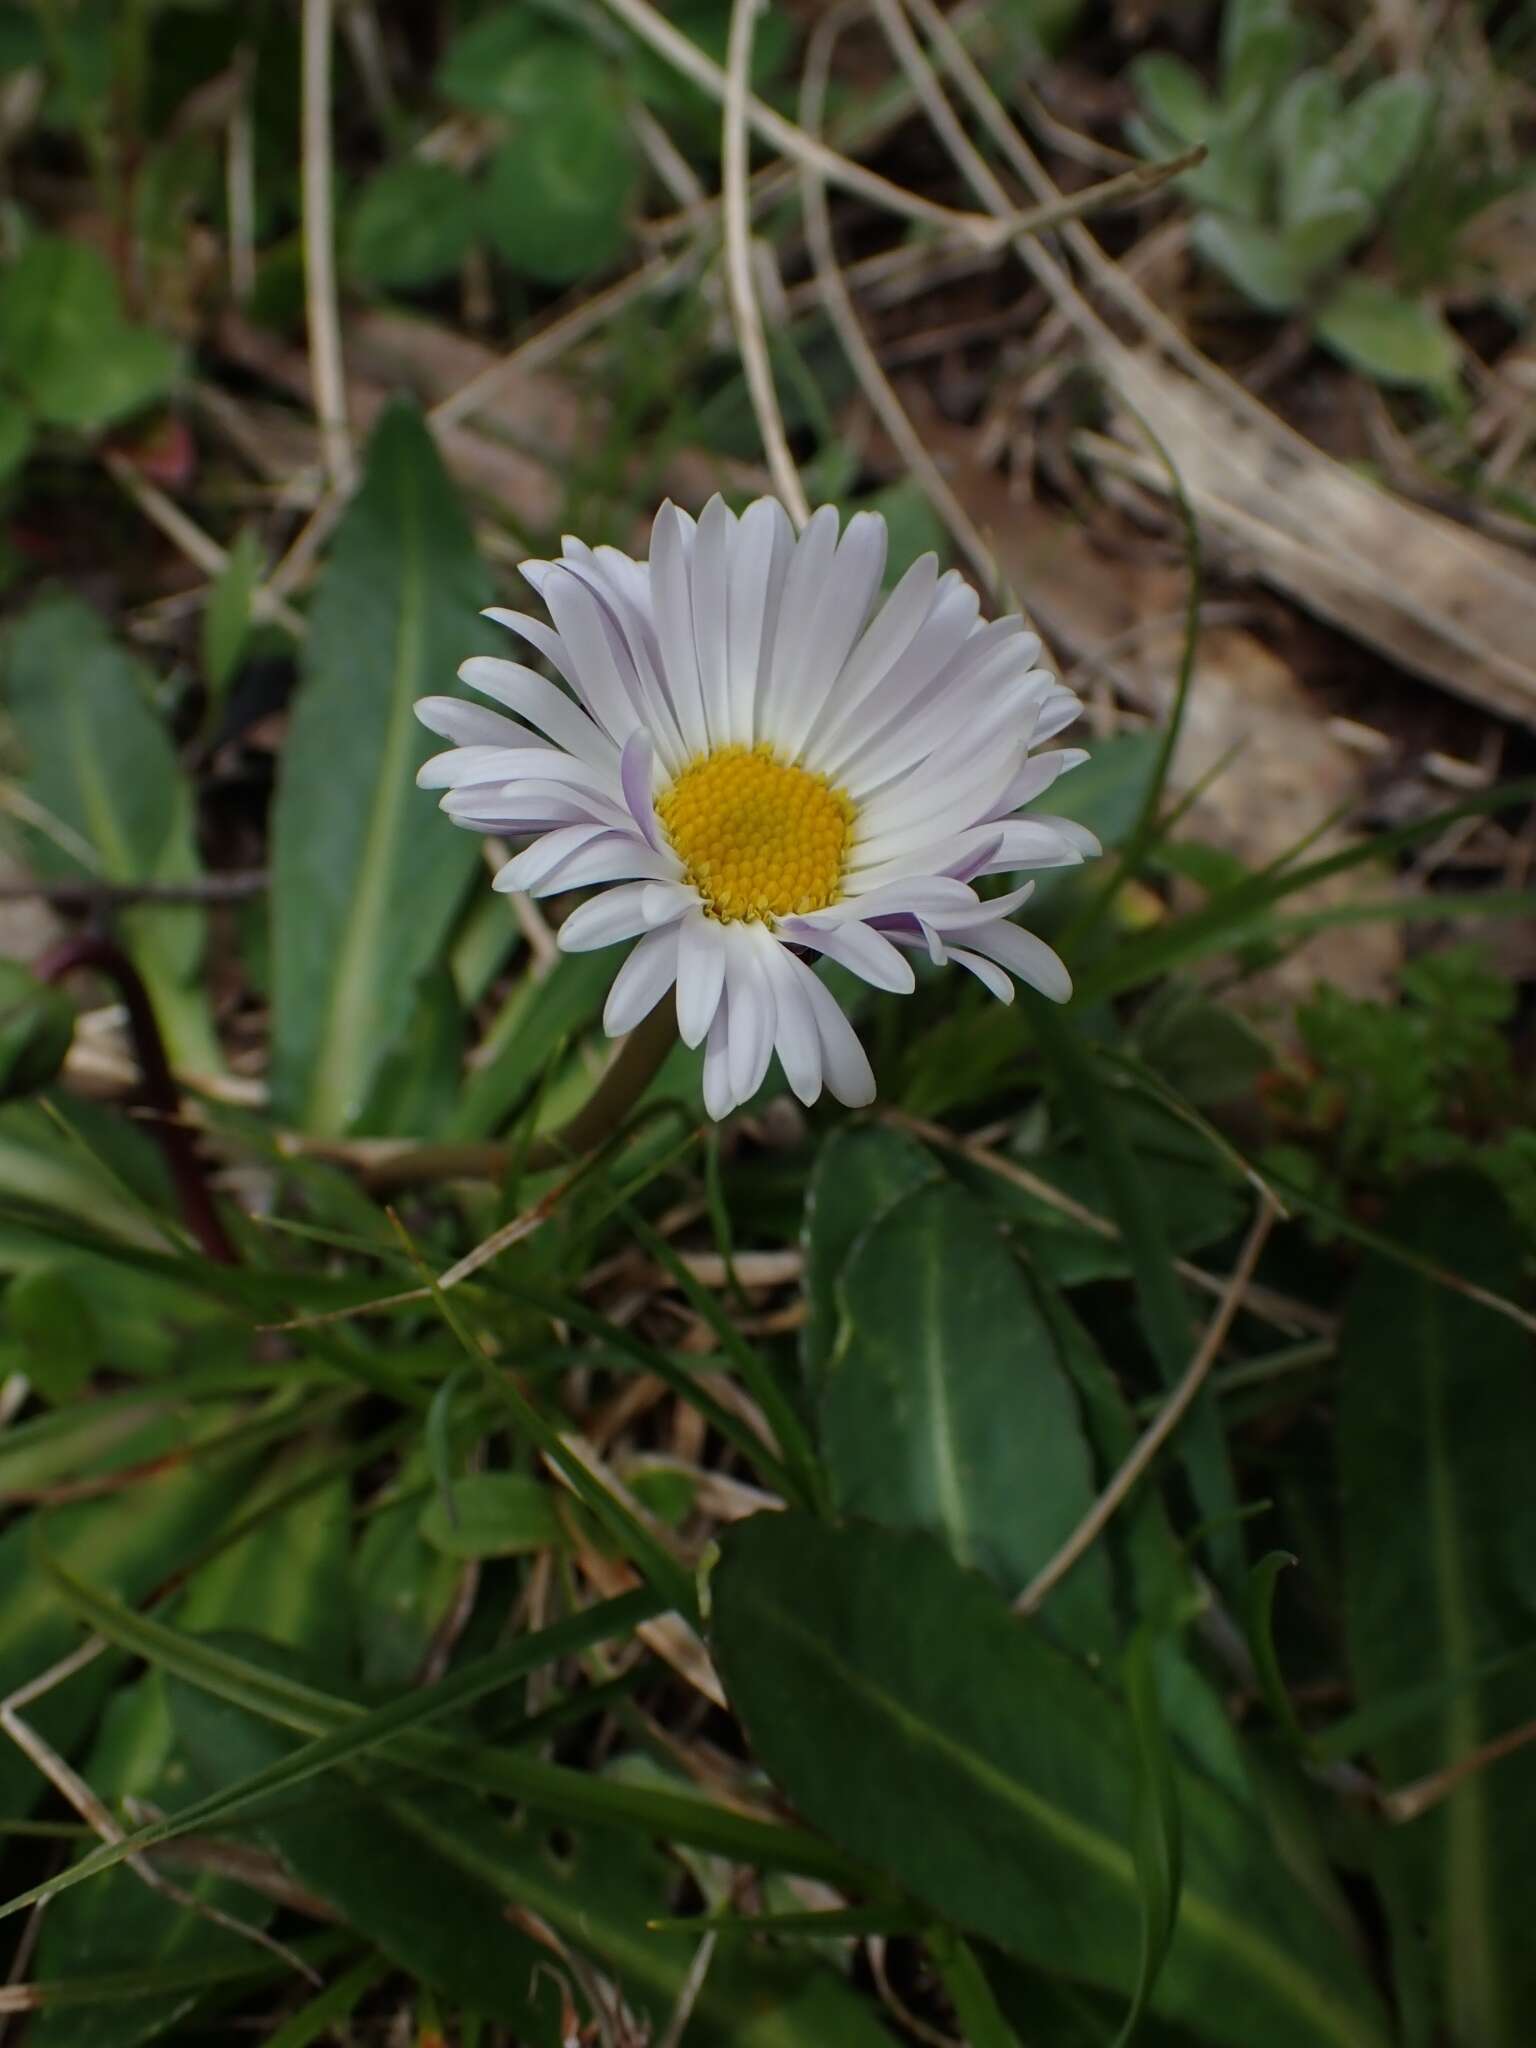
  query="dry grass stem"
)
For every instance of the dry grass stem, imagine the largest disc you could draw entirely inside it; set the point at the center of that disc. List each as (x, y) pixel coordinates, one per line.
(322, 306)
(842, 313)
(1093, 1524)
(746, 313)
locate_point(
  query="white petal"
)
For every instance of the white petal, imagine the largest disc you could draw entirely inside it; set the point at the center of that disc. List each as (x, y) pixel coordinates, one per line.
(473, 725)
(537, 634)
(795, 1037)
(710, 581)
(843, 1060)
(538, 700)
(527, 869)
(1083, 842)
(621, 589)
(887, 637)
(752, 1009)
(700, 976)
(799, 608)
(636, 771)
(1038, 773)
(1057, 712)
(600, 670)
(641, 982)
(1031, 959)
(939, 640)
(614, 857)
(672, 602)
(604, 920)
(995, 911)
(843, 607)
(859, 948)
(718, 1099)
(987, 972)
(763, 544)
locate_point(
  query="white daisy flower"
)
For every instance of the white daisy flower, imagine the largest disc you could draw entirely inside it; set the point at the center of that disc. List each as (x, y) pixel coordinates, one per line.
(756, 761)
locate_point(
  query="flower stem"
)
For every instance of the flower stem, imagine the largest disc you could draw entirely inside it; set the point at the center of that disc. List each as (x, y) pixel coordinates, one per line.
(629, 1073)
(159, 1092)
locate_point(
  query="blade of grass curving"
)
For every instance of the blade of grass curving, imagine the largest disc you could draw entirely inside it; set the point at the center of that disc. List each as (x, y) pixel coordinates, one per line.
(1259, 1620)
(790, 1433)
(564, 1792)
(358, 1732)
(1241, 911)
(337, 2002)
(117, 1987)
(1160, 1297)
(636, 1542)
(982, 2024)
(1146, 829)
(815, 1925)
(1156, 1838)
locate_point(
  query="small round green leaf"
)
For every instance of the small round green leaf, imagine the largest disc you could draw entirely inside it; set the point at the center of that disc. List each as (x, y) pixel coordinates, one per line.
(1254, 258)
(414, 224)
(65, 342)
(1393, 339)
(558, 189)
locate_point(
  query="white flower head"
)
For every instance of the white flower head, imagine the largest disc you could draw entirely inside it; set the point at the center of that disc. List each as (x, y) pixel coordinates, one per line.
(754, 761)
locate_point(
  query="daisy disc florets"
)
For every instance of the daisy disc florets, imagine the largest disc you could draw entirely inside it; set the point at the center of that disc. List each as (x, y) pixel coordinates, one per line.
(754, 760)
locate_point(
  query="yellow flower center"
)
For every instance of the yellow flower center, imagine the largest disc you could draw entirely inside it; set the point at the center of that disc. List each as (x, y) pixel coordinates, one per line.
(758, 836)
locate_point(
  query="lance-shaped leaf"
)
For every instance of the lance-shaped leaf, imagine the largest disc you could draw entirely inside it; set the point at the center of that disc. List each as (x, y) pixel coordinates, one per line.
(911, 1716)
(366, 876)
(1437, 1418)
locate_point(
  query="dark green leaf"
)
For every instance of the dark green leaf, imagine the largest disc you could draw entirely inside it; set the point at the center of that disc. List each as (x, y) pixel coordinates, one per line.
(366, 875)
(904, 1709)
(414, 224)
(48, 1313)
(37, 1027)
(944, 1407)
(100, 762)
(1158, 1836)
(558, 190)
(227, 615)
(1174, 98)
(493, 1514)
(64, 340)
(859, 1174)
(1437, 1416)
(15, 436)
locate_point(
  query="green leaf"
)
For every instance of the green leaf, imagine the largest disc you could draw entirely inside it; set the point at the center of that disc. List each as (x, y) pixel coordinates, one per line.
(558, 189)
(1305, 125)
(386, 1864)
(130, 1541)
(15, 436)
(1162, 1306)
(47, 1311)
(1317, 238)
(859, 1174)
(1437, 1416)
(493, 65)
(281, 1580)
(227, 614)
(944, 1407)
(904, 1709)
(1158, 1838)
(402, 1589)
(366, 875)
(1259, 1616)
(1260, 42)
(1256, 260)
(37, 1028)
(100, 763)
(492, 1514)
(1174, 98)
(414, 223)
(1384, 131)
(64, 340)
(1395, 340)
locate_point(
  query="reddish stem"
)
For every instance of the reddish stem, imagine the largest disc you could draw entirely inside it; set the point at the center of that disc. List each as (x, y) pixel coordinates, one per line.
(159, 1092)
